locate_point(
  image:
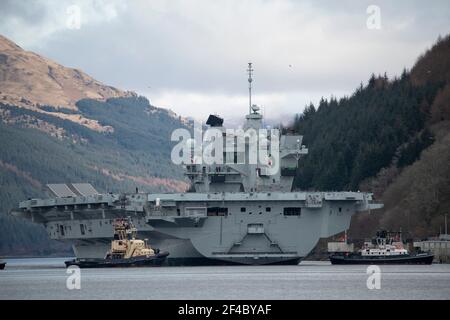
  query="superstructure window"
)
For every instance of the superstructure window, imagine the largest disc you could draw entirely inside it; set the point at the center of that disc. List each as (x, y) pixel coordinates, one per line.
(217, 211)
(268, 209)
(243, 209)
(82, 230)
(292, 211)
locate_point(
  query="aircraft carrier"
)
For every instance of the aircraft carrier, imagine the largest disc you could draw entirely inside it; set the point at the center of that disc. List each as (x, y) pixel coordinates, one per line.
(238, 212)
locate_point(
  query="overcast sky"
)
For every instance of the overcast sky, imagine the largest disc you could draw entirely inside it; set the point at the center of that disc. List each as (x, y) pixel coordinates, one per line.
(191, 56)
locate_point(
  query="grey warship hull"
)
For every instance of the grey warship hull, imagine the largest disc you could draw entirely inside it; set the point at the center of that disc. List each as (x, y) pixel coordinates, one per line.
(242, 210)
(203, 228)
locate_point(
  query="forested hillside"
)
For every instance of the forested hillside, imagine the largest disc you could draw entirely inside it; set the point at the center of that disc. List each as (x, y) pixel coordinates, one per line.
(39, 148)
(60, 125)
(390, 137)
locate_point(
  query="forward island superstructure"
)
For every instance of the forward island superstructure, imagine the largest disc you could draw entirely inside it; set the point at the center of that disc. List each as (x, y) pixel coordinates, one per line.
(239, 212)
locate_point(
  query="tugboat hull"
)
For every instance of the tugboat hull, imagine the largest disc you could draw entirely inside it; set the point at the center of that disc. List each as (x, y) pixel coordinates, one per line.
(142, 261)
(358, 259)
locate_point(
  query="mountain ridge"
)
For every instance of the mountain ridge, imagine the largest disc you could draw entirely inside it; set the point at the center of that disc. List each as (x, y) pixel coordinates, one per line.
(31, 80)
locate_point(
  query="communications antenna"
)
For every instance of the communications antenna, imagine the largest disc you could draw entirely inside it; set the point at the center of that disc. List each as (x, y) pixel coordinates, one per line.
(250, 80)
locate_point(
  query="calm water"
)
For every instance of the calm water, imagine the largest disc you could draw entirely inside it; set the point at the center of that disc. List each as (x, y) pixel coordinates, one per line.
(46, 279)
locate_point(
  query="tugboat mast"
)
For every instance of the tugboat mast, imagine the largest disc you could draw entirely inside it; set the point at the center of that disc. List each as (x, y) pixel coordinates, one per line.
(250, 72)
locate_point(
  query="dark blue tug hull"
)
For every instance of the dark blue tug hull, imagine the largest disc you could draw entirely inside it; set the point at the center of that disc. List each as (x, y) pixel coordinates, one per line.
(142, 261)
(422, 258)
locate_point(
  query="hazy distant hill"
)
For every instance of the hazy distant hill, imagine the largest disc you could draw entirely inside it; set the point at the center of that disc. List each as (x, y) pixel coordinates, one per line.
(51, 131)
(391, 137)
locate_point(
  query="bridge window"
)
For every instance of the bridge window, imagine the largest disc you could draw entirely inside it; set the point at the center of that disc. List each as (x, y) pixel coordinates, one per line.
(268, 209)
(243, 209)
(292, 211)
(219, 178)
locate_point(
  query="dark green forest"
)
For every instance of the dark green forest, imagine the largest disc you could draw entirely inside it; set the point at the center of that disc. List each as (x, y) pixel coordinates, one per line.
(352, 138)
(390, 137)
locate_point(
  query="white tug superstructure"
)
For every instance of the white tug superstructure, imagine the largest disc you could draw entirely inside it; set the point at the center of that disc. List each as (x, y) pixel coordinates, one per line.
(386, 248)
(383, 246)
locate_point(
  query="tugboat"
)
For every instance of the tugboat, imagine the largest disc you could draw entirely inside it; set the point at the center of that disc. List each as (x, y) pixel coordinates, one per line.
(2, 265)
(386, 248)
(126, 250)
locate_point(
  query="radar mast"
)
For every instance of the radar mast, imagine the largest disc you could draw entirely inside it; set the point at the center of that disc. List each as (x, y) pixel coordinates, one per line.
(250, 80)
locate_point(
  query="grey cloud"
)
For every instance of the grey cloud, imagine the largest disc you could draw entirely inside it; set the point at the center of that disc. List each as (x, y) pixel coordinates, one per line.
(203, 48)
(30, 12)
